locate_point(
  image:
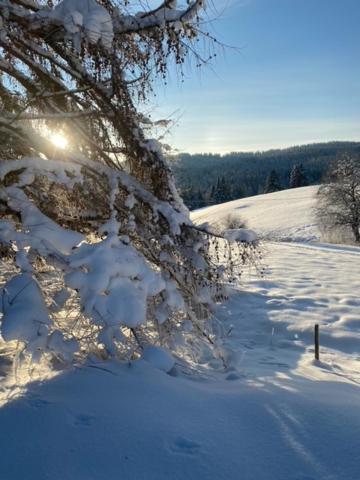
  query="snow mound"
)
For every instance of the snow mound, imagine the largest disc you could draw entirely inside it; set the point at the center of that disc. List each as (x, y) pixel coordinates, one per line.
(159, 358)
(25, 314)
(25, 319)
(240, 235)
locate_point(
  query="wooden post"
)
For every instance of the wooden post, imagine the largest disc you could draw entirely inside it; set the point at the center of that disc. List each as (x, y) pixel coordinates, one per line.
(317, 343)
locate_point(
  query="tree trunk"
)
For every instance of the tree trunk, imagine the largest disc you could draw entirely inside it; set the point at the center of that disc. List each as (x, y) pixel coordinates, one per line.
(356, 231)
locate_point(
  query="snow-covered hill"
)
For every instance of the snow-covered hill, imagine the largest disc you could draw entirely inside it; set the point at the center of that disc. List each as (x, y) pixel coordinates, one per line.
(285, 215)
(275, 414)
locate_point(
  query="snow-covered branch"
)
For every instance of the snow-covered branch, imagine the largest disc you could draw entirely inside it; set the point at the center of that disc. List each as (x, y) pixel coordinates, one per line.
(78, 19)
(162, 16)
(104, 219)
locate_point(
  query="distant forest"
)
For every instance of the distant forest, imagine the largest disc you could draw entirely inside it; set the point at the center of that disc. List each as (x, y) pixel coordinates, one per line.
(207, 179)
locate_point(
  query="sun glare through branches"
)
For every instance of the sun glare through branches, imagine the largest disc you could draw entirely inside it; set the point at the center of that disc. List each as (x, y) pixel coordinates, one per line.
(59, 140)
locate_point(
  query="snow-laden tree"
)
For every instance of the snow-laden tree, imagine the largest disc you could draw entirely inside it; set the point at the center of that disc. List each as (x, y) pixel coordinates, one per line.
(103, 256)
(338, 205)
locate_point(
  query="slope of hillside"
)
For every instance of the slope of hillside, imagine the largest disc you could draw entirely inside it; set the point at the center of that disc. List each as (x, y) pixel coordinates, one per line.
(285, 215)
(274, 414)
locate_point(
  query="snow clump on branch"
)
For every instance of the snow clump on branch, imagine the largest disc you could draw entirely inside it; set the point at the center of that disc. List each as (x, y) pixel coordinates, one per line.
(105, 261)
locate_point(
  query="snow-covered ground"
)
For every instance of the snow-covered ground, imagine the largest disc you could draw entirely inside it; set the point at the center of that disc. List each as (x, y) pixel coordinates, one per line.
(285, 215)
(275, 415)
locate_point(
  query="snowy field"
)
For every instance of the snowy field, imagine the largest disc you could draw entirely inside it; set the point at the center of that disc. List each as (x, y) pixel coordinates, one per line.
(275, 415)
(285, 215)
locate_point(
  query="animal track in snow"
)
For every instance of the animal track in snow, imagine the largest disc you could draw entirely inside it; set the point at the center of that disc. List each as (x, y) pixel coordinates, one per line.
(185, 446)
(83, 420)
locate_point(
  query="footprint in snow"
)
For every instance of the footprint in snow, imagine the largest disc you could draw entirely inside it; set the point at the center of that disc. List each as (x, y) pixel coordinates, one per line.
(234, 376)
(185, 446)
(83, 420)
(267, 358)
(38, 402)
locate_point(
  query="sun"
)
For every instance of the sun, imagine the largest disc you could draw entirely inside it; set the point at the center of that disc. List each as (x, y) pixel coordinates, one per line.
(59, 140)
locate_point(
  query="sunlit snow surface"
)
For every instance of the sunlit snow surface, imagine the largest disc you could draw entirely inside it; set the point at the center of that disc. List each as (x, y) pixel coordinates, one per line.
(274, 415)
(285, 215)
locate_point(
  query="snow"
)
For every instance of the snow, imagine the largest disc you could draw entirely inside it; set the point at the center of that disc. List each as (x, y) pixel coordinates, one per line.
(302, 287)
(43, 233)
(114, 282)
(25, 316)
(84, 17)
(240, 235)
(285, 215)
(130, 201)
(159, 358)
(111, 421)
(59, 345)
(87, 19)
(69, 174)
(274, 414)
(25, 319)
(66, 173)
(160, 17)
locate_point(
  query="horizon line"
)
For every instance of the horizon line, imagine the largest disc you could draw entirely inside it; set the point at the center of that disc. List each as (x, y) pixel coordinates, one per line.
(270, 149)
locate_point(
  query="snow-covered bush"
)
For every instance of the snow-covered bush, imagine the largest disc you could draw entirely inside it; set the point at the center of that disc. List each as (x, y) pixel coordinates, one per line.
(107, 260)
(233, 221)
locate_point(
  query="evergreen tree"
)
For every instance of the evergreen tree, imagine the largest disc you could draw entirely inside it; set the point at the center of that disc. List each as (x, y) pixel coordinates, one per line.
(199, 200)
(297, 177)
(237, 191)
(272, 183)
(222, 192)
(225, 190)
(189, 197)
(247, 172)
(211, 197)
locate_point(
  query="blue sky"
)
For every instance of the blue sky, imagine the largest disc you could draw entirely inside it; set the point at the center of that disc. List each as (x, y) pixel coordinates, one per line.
(294, 78)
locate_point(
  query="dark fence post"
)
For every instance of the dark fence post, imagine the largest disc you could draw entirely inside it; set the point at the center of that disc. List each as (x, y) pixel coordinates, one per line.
(317, 343)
